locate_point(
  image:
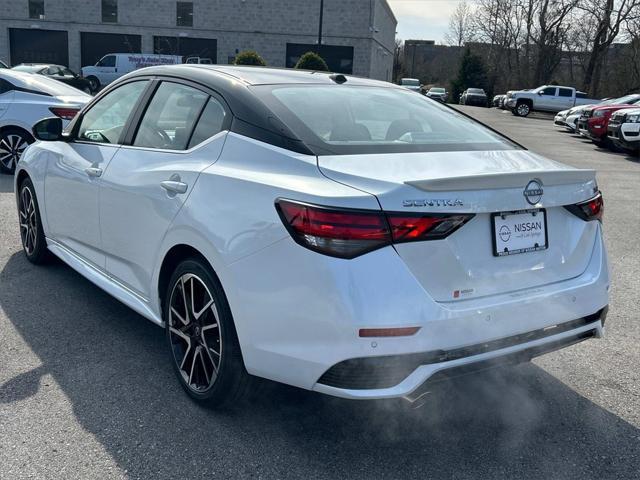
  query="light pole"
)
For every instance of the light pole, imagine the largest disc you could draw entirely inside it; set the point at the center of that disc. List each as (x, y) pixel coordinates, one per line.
(320, 25)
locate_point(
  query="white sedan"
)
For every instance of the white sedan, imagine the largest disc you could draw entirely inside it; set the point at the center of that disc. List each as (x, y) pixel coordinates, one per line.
(26, 98)
(333, 233)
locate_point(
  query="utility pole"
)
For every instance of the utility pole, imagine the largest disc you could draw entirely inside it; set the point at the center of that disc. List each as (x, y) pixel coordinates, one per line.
(320, 26)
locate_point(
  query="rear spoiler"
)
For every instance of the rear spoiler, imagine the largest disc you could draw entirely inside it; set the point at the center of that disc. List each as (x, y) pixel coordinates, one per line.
(487, 181)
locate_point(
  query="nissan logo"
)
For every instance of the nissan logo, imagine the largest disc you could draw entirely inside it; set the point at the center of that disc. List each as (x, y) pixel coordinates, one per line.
(533, 192)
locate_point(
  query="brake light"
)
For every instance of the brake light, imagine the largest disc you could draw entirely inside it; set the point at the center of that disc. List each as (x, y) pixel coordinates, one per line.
(592, 209)
(348, 233)
(65, 113)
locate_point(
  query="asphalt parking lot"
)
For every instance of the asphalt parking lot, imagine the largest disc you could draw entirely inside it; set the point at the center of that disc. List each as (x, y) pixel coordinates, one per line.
(87, 390)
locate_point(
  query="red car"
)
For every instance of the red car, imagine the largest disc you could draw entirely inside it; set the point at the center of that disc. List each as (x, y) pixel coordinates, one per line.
(597, 120)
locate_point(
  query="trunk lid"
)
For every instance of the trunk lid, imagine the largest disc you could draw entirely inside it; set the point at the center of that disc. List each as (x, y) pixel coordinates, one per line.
(463, 265)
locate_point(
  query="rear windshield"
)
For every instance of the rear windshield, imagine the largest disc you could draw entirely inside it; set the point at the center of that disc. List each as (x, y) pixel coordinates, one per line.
(345, 119)
(46, 85)
(410, 82)
(629, 99)
(476, 90)
(437, 90)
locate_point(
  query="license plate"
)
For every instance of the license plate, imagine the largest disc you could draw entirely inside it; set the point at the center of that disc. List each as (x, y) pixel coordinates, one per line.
(519, 232)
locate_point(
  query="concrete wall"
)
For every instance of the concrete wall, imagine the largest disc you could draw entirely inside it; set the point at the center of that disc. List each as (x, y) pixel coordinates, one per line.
(265, 26)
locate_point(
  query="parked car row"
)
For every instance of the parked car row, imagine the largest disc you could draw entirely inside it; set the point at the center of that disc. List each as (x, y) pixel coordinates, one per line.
(613, 123)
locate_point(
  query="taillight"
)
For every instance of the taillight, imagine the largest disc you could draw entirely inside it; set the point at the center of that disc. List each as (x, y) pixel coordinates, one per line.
(592, 209)
(65, 113)
(348, 233)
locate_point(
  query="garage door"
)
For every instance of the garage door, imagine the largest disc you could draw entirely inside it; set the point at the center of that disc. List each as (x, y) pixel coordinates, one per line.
(38, 46)
(187, 47)
(94, 46)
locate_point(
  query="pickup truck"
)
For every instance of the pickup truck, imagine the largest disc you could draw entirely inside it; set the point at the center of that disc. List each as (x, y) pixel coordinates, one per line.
(547, 98)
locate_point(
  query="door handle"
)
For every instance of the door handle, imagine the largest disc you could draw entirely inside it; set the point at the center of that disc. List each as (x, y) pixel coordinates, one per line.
(93, 171)
(174, 186)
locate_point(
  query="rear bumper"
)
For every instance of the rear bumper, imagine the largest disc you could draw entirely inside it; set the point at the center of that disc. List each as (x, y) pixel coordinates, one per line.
(299, 327)
(386, 377)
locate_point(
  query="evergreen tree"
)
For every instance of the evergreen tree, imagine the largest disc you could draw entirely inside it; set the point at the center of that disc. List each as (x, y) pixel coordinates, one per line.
(472, 74)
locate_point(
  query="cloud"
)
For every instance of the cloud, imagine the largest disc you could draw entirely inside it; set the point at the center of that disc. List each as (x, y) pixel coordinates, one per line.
(423, 19)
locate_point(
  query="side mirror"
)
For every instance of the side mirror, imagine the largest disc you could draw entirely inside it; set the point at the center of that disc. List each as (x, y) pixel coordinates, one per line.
(48, 129)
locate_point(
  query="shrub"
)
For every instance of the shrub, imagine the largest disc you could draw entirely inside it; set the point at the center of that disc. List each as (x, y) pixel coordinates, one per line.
(249, 57)
(312, 61)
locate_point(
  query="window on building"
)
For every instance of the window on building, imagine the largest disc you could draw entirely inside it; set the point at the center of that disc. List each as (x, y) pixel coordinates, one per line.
(36, 9)
(110, 11)
(184, 14)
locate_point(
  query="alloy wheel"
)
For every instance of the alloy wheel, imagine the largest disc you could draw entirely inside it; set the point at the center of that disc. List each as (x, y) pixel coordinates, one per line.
(195, 334)
(11, 148)
(523, 109)
(28, 220)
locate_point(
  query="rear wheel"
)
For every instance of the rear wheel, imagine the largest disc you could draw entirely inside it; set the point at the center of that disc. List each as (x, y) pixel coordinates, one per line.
(94, 84)
(202, 339)
(34, 243)
(12, 143)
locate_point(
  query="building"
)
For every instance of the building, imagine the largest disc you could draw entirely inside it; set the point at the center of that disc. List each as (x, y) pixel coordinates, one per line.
(357, 35)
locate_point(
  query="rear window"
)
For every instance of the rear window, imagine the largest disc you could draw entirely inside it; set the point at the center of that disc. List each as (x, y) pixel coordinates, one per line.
(344, 119)
(478, 91)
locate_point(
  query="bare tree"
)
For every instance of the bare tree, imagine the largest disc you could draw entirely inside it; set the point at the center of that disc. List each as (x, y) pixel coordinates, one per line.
(608, 18)
(460, 25)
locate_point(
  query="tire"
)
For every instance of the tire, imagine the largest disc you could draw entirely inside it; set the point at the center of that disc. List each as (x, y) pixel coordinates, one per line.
(13, 141)
(202, 339)
(94, 84)
(87, 90)
(34, 243)
(522, 109)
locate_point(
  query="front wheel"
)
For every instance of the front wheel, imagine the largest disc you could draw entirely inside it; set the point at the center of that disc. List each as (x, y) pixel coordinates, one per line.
(34, 243)
(202, 339)
(522, 109)
(13, 142)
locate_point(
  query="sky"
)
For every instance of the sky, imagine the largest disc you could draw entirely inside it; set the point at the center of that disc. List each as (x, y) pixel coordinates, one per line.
(423, 19)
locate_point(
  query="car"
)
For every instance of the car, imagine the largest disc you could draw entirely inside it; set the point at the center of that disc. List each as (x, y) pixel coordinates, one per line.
(475, 97)
(438, 93)
(115, 65)
(623, 129)
(547, 98)
(57, 72)
(329, 232)
(560, 118)
(24, 100)
(573, 115)
(412, 84)
(593, 121)
(497, 101)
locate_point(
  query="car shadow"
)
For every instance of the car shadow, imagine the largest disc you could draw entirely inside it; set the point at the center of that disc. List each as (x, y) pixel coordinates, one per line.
(6, 183)
(113, 367)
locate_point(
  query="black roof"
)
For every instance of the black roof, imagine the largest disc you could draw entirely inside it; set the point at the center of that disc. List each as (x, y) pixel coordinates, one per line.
(251, 116)
(252, 75)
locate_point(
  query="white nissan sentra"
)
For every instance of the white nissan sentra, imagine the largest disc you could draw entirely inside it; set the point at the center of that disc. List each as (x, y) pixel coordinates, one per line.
(333, 233)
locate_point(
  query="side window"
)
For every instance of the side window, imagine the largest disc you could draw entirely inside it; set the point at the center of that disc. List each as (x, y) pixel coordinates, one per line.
(104, 122)
(108, 61)
(210, 122)
(170, 117)
(549, 91)
(53, 71)
(68, 73)
(5, 86)
(566, 92)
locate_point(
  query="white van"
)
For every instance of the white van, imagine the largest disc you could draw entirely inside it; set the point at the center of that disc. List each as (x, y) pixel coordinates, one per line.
(115, 65)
